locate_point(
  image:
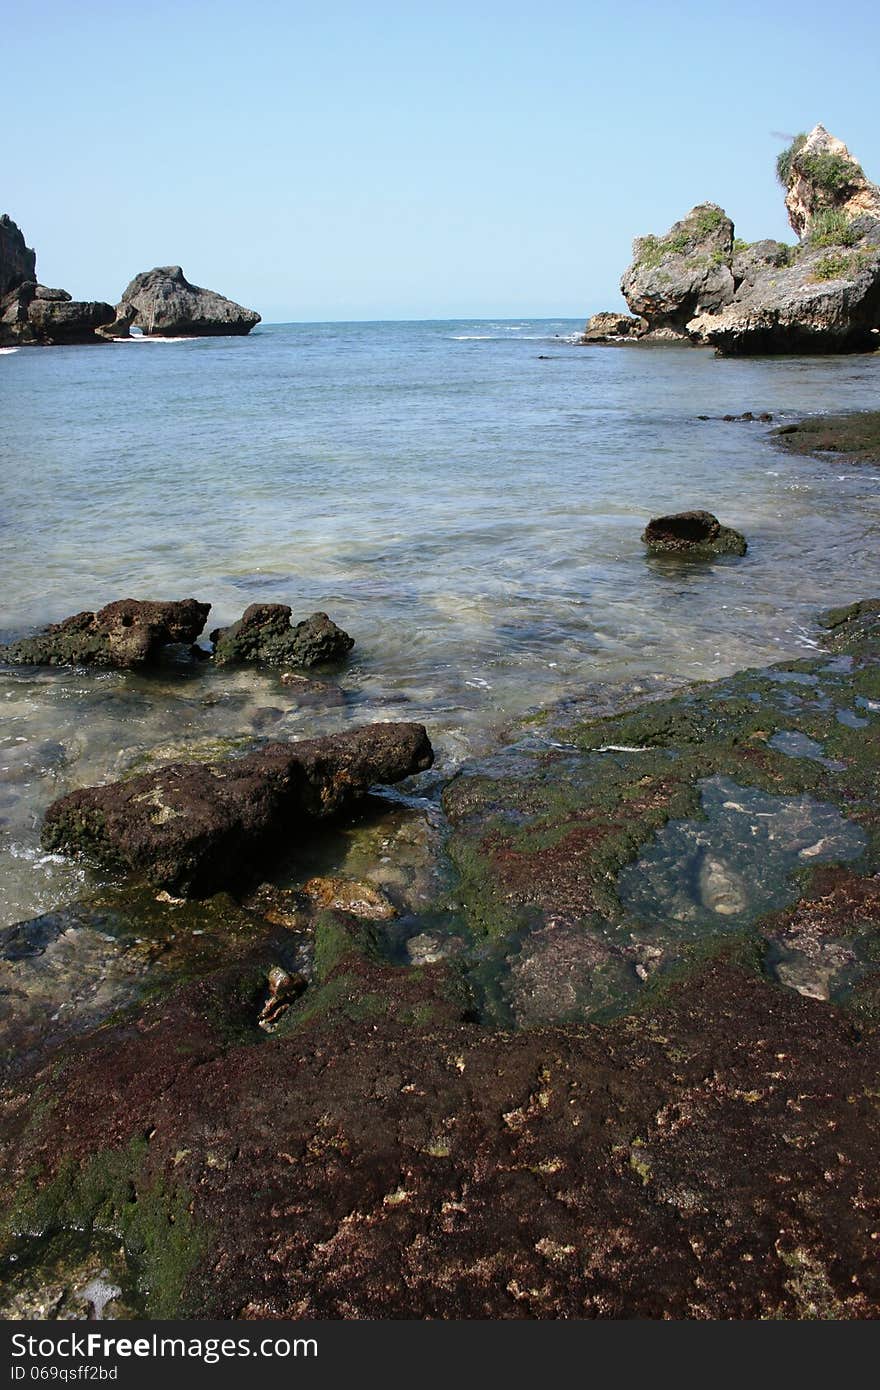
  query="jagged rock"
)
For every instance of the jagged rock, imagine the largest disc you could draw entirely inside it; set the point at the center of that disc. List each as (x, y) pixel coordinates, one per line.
(820, 174)
(124, 634)
(264, 634)
(31, 313)
(697, 284)
(604, 328)
(674, 277)
(18, 263)
(167, 305)
(193, 829)
(55, 321)
(826, 299)
(756, 257)
(125, 316)
(692, 533)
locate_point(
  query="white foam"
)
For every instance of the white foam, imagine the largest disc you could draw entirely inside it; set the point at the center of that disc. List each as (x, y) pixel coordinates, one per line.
(5, 351)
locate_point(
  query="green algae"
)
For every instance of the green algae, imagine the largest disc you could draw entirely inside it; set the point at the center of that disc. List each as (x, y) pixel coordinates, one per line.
(112, 1195)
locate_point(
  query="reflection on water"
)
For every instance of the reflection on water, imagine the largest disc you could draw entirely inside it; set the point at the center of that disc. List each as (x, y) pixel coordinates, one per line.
(469, 515)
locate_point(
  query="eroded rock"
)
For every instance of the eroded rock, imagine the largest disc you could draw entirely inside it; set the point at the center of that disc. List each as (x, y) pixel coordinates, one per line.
(124, 635)
(194, 829)
(264, 635)
(165, 304)
(698, 534)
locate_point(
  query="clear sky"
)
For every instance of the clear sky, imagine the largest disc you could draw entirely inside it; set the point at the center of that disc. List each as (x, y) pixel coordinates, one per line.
(333, 160)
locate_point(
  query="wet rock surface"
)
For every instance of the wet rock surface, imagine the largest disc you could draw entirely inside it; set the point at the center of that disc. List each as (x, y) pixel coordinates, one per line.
(677, 1118)
(851, 438)
(698, 534)
(124, 635)
(196, 828)
(264, 635)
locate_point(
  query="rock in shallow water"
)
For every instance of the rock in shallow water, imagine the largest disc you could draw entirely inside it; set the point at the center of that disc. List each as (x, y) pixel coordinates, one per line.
(264, 635)
(194, 829)
(124, 635)
(698, 534)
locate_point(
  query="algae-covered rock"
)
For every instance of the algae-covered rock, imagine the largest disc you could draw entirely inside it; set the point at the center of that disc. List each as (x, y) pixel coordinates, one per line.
(264, 635)
(126, 634)
(683, 273)
(698, 534)
(197, 828)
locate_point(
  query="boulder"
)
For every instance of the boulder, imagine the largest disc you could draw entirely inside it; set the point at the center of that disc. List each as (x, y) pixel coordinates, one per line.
(123, 635)
(688, 271)
(193, 829)
(613, 328)
(166, 305)
(752, 259)
(263, 634)
(698, 534)
(53, 320)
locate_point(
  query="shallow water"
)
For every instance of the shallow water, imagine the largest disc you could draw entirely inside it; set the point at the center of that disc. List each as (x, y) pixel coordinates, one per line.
(469, 512)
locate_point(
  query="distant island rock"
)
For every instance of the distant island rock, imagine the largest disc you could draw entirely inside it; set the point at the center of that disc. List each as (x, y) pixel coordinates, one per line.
(160, 302)
(699, 284)
(163, 303)
(31, 313)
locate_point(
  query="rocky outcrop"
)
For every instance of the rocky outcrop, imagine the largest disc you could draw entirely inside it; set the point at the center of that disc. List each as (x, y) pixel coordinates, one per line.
(819, 175)
(18, 263)
(613, 328)
(697, 534)
(194, 829)
(166, 305)
(124, 635)
(697, 284)
(686, 272)
(31, 313)
(264, 635)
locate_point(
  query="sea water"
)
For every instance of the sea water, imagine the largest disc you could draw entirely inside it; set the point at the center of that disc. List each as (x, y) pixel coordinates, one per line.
(465, 498)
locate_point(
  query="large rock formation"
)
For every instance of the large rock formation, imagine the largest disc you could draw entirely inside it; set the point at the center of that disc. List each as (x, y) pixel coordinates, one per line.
(685, 272)
(166, 305)
(123, 635)
(32, 314)
(697, 284)
(196, 828)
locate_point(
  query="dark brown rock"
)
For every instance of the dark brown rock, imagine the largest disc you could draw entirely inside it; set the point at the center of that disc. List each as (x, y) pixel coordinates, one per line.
(692, 533)
(195, 828)
(264, 635)
(124, 634)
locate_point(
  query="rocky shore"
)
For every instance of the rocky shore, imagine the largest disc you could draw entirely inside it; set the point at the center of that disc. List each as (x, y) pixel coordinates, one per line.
(699, 284)
(615, 1055)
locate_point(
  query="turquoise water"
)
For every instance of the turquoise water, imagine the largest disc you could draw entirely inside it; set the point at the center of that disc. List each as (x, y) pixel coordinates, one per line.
(469, 512)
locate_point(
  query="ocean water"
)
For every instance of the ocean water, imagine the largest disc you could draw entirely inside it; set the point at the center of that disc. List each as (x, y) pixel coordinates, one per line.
(465, 498)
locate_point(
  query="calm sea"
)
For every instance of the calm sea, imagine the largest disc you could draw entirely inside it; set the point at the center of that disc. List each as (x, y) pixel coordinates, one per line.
(465, 498)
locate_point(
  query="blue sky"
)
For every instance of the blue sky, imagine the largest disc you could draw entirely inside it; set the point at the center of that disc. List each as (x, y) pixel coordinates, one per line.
(382, 160)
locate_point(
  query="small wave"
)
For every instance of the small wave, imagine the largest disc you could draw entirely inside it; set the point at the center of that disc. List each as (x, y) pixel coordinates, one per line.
(5, 351)
(144, 338)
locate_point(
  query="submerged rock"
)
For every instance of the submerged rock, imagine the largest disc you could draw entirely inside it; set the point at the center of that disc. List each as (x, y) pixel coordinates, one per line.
(194, 829)
(125, 634)
(264, 635)
(166, 305)
(698, 534)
